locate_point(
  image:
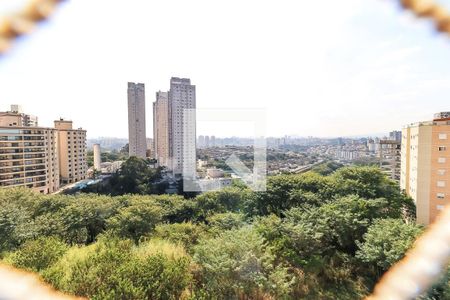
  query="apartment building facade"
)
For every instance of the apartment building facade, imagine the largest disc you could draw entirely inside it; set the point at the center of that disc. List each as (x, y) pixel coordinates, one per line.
(161, 129)
(72, 152)
(182, 137)
(425, 165)
(34, 157)
(26, 158)
(175, 127)
(136, 120)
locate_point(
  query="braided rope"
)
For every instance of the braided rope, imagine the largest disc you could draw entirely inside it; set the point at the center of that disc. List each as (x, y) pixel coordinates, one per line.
(429, 9)
(23, 22)
(20, 285)
(422, 265)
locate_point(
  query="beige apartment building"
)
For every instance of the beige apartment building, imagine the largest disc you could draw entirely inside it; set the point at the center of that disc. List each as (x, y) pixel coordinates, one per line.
(26, 158)
(161, 129)
(40, 158)
(137, 142)
(72, 152)
(15, 117)
(425, 165)
(174, 124)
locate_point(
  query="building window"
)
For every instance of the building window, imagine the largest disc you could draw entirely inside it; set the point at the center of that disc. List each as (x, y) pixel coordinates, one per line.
(442, 148)
(441, 183)
(441, 172)
(440, 195)
(442, 136)
(441, 160)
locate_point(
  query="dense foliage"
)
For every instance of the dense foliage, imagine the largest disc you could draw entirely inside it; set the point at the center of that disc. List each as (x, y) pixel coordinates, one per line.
(136, 176)
(308, 236)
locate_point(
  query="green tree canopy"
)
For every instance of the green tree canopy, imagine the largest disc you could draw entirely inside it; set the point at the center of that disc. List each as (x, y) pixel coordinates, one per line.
(387, 241)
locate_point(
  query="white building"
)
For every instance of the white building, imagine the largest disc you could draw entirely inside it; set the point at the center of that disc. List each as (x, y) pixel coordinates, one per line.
(97, 157)
(214, 173)
(174, 125)
(214, 184)
(182, 131)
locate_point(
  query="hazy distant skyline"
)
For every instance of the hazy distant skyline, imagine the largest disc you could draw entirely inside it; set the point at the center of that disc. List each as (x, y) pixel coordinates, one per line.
(319, 68)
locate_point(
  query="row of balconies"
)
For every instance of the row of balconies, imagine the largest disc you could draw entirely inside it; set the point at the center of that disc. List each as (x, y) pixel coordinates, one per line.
(21, 145)
(30, 182)
(7, 151)
(22, 175)
(20, 163)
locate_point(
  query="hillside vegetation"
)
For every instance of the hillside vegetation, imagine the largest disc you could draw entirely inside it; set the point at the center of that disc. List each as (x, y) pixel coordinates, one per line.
(308, 236)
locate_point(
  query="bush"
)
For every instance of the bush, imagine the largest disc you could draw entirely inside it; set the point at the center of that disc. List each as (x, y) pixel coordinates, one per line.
(37, 255)
(236, 264)
(226, 221)
(386, 242)
(186, 234)
(136, 220)
(116, 269)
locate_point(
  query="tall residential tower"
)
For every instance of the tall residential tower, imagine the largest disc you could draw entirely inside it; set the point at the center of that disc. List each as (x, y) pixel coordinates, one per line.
(161, 129)
(182, 104)
(136, 120)
(175, 127)
(425, 165)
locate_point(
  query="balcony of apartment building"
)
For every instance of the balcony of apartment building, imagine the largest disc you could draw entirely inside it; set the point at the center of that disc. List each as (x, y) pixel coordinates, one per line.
(38, 149)
(11, 170)
(7, 151)
(12, 177)
(10, 144)
(7, 157)
(19, 179)
(12, 182)
(28, 156)
(11, 138)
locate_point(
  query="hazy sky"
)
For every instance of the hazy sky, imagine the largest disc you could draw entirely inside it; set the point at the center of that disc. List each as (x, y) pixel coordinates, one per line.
(322, 68)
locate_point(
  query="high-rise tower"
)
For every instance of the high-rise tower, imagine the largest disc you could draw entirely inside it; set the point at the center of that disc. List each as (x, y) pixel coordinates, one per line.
(174, 127)
(425, 165)
(182, 130)
(136, 120)
(161, 129)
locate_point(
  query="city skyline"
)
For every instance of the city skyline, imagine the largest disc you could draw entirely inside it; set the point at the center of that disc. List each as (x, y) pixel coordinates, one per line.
(313, 79)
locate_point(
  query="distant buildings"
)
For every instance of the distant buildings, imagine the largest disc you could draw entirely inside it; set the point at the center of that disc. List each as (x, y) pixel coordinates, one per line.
(38, 157)
(395, 136)
(175, 127)
(425, 165)
(15, 117)
(107, 143)
(214, 173)
(110, 167)
(136, 120)
(206, 141)
(390, 157)
(201, 142)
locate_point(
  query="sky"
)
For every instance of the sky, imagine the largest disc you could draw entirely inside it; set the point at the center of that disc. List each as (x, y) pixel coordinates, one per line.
(322, 68)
